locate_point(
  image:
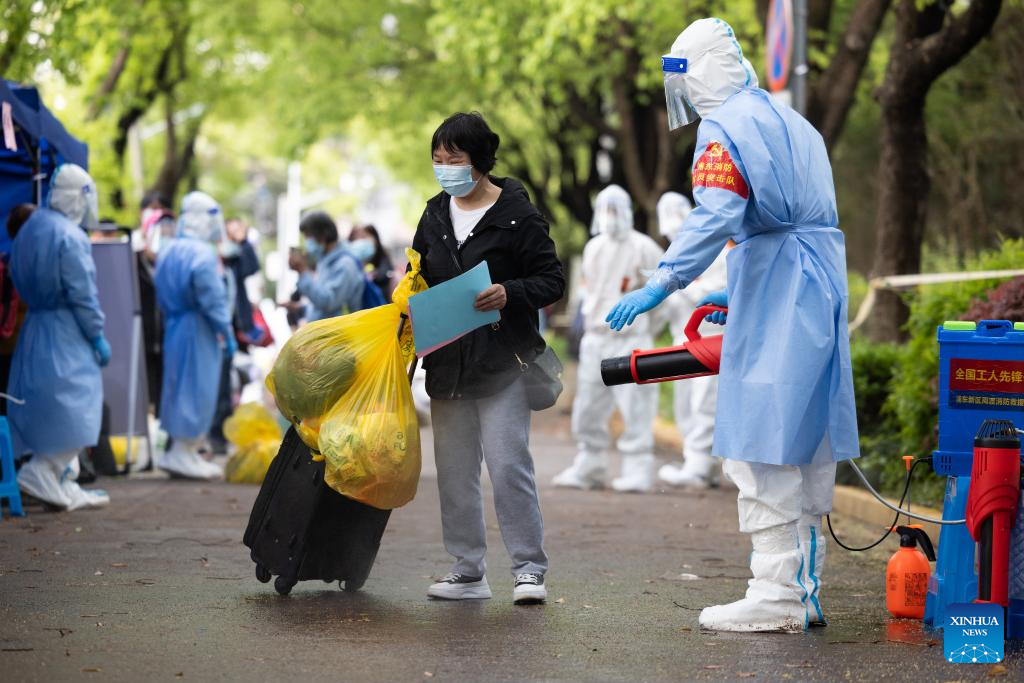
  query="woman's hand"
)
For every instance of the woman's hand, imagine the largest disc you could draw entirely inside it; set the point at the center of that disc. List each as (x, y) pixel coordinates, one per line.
(297, 262)
(493, 298)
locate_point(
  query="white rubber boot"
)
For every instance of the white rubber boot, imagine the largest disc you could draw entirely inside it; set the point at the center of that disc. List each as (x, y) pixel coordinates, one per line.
(637, 474)
(676, 474)
(183, 460)
(79, 498)
(40, 478)
(774, 600)
(587, 471)
(812, 546)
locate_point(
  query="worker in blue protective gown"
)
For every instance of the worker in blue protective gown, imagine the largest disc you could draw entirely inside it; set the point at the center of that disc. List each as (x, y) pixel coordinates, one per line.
(695, 399)
(190, 291)
(55, 371)
(785, 411)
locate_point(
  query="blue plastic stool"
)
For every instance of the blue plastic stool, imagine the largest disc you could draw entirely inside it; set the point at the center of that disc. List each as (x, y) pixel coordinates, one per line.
(8, 482)
(954, 579)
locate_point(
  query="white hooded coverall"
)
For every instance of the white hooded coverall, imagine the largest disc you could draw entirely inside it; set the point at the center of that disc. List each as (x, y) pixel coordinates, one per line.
(617, 259)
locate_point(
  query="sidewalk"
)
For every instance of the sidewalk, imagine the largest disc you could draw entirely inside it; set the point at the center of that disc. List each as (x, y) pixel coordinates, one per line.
(159, 587)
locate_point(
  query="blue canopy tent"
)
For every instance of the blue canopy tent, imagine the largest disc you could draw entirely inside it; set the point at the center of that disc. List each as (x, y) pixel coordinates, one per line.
(41, 144)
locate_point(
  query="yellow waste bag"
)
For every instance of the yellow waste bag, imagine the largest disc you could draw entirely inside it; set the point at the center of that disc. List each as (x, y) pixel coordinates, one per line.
(258, 437)
(357, 410)
(412, 283)
(314, 370)
(249, 464)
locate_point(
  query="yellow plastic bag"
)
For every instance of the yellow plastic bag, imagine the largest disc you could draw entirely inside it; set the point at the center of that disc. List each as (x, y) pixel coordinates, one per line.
(367, 431)
(249, 465)
(412, 283)
(258, 437)
(315, 369)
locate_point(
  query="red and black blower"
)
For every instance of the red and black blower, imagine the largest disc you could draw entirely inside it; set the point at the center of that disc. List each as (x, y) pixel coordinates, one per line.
(992, 505)
(698, 357)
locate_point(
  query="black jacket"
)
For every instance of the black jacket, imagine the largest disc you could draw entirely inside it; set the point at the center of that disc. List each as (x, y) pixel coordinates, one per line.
(513, 238)
(244, 265)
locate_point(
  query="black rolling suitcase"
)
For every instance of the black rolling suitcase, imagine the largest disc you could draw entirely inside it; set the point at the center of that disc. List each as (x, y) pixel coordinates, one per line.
(301, 529)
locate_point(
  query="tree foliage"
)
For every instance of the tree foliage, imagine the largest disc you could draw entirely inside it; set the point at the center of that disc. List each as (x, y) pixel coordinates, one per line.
(573, 87)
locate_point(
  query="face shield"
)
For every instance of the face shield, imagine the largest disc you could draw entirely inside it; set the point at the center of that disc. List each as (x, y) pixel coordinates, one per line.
(673, 208)
(73, 194)
(201, 218)
(680, 112)
(613, 213)
(712, 70)
(156, 225)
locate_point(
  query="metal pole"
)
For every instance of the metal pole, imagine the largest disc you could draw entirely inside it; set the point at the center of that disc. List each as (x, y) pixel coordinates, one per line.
(800, 55)
(133, 388)
(289, 212)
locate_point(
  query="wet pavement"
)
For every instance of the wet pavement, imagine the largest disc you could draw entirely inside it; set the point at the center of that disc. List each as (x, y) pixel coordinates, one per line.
(159, 587)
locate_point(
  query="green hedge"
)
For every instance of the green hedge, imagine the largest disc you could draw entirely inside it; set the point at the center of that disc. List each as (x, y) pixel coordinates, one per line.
(905, 422)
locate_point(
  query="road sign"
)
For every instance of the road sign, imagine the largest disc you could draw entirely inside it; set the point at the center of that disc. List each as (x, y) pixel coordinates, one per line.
(779, 38)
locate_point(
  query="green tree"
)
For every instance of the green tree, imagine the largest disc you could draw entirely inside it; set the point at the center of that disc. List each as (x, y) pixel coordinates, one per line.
(929, 39)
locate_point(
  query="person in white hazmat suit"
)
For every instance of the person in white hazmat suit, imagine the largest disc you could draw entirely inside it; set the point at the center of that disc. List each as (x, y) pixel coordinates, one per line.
(694, 399)
(55, 371)
(786, 412)
(615, 261)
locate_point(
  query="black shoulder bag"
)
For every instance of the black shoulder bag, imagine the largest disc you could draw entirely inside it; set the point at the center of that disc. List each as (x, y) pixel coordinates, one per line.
(543, 376)
(543, 379)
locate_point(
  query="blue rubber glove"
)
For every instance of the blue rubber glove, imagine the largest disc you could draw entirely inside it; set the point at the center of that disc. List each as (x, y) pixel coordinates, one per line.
(230, 346)
(635, 303)
(719, 298)
(101, 348)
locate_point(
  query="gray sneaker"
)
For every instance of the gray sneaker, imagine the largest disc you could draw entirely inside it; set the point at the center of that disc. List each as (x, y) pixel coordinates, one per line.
(460, 587)
(529, 590)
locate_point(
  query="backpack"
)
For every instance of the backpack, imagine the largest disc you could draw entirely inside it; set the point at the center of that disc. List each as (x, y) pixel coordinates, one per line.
(372, 294)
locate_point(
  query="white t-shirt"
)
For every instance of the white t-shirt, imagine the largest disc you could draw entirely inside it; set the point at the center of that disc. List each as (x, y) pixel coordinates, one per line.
(464, 221)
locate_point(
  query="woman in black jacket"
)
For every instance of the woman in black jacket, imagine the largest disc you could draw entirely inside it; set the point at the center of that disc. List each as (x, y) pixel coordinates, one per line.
(479, 408)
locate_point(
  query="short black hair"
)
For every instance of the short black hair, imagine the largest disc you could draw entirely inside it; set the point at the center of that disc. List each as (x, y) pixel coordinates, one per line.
(468, 133)
(319, 226)
(17, 217)
(155, 196)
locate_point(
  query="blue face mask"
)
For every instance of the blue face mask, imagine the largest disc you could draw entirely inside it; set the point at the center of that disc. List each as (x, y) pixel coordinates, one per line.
(363, 249)
(314, 249)
(455, 180)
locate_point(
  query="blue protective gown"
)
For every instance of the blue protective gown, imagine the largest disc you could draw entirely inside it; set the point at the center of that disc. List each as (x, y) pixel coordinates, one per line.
(786, 378)
(191, 294)
(54, 368)
(336, 287)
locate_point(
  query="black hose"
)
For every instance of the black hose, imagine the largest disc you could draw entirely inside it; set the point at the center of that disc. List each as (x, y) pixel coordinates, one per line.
(895, 521)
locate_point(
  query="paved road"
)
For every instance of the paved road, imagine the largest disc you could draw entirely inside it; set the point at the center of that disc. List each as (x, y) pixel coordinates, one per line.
(159, 587)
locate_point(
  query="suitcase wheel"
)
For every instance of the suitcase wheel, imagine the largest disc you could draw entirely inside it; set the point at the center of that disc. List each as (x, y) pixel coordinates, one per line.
(262, 574)
(283, 585)
(350, 585)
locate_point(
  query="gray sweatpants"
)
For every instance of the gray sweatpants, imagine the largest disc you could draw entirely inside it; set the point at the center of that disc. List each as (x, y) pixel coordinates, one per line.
(495, 429)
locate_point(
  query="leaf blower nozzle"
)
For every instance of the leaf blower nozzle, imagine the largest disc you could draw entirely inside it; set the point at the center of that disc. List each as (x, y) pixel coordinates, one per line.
(698, 357)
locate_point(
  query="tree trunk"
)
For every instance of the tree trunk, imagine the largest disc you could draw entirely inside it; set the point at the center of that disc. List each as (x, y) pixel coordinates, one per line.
(177, 160)
(928, 41)
(903, 186)
(111, 80)
(835, 90)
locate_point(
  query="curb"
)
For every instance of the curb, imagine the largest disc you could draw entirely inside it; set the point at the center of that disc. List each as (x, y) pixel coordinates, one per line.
(861, 505)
